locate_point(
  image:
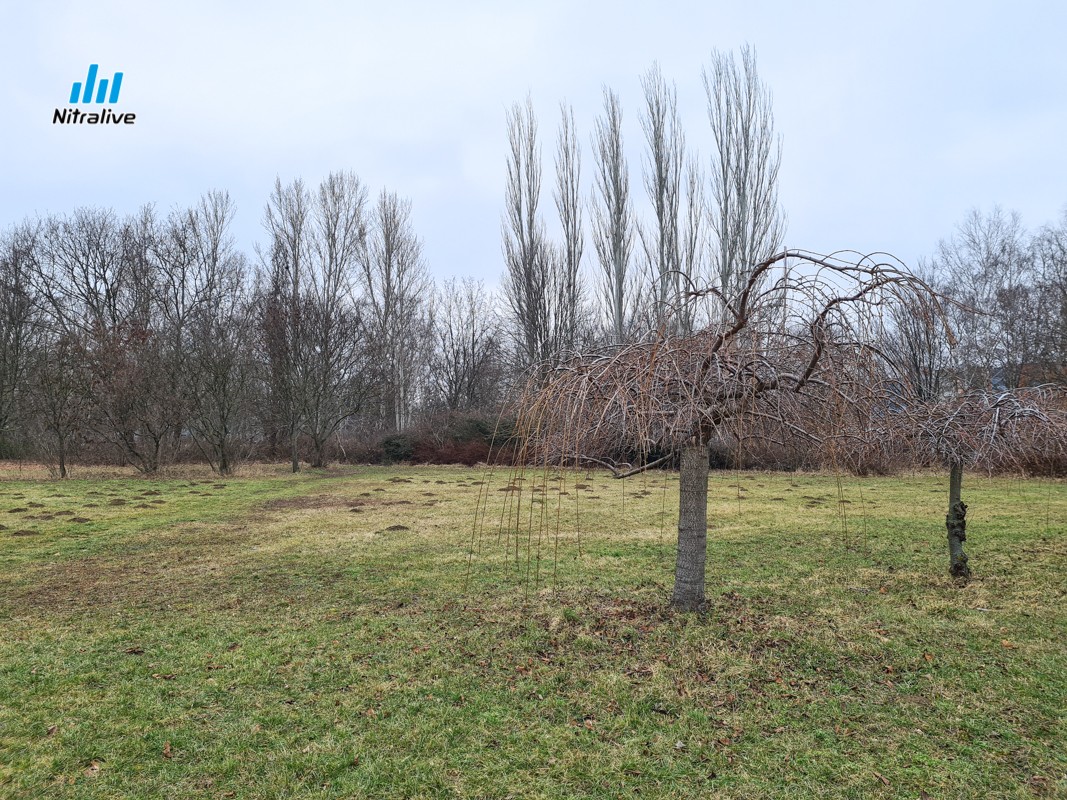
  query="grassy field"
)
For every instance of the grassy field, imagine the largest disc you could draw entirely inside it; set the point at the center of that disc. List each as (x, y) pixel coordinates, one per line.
(352, 633)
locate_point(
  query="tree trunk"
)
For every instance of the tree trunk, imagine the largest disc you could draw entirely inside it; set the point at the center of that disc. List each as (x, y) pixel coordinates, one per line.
(294, 438)
(692, 529)
(319, 458)
(956, 523)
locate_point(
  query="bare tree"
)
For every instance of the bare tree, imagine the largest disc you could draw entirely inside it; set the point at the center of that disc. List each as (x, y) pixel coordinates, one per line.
(224, 371)
(663, 183)
(219, 363)
(18, 320)
(397, 294)
(466, 366)
(287, 222)
(187, 260)
(746, 221)
(566, 312)
(334, 358)
(678, 394)
(131, 396)
(57, 400)
(83, 279)
(316, 345)
(919, 343)
(96, 278)
(1050, 254)
(613, 222)
(988, 269)
(995, 429)
(691, 250)
(528, 255)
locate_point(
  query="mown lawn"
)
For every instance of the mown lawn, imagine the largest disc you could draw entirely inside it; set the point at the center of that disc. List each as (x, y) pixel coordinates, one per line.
(353, 633)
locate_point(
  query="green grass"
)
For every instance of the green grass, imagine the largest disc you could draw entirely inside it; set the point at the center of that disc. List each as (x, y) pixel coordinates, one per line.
(257, 638)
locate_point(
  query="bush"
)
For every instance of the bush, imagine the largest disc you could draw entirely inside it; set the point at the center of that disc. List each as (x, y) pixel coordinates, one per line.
(454, 438)
(397, 447)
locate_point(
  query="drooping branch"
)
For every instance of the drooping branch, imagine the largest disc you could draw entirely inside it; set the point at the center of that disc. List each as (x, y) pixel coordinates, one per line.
(794, 359)
(991, 429)
(810, 334)
(620, 471)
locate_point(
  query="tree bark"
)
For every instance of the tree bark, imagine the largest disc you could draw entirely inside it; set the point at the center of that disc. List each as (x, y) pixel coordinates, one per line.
(956, 523)
(319, 459)
(294, 445)
(692, 529)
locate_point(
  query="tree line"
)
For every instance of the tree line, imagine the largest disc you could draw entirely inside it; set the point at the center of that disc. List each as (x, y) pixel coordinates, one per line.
(150, 337)
(143, 337)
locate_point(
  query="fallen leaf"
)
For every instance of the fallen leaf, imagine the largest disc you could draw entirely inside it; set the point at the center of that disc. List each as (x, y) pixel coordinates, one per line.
(1006, 644)
(167, 752)
(52, 730)
(93, 769)
(928, 656)
(134, 651)
(882, 778)
(159, 676)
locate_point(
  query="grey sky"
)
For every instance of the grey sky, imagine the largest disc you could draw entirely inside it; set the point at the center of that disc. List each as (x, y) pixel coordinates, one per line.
(895, 117)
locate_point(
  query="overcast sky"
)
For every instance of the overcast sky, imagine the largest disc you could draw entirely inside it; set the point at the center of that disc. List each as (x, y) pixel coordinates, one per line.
(896, 117)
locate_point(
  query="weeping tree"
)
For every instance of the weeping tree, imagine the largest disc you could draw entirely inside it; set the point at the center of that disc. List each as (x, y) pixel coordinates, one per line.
(1005, 430)
(794, 355)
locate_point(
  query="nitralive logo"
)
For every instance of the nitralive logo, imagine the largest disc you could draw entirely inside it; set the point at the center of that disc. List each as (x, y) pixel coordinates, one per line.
(93, 91)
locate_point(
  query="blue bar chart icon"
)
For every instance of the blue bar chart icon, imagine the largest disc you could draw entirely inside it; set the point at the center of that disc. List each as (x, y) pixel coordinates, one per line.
(83, 93)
